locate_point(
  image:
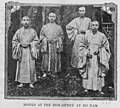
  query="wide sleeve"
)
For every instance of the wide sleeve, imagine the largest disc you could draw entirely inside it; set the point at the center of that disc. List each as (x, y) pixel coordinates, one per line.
(15, 40)
(42, 33)
(16, 49)
(35, 37)
(60, 40)
(83, 51)
(33, 45)
(104, 52)
(70, 29)
(90, 24)
(61, 35)
(43, 40)
(82, 56)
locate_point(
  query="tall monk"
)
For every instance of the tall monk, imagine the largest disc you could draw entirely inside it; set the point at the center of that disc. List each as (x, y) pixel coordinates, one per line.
(24, 51)
(94, 55)
(75, 30)
(51, 36)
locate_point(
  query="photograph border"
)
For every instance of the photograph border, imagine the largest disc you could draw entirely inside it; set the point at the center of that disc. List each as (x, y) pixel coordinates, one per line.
(7, 12)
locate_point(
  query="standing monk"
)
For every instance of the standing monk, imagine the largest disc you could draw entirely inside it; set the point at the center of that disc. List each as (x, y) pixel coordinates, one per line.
(51, 36)
(94, 55)
(75, 30)
(24, 51)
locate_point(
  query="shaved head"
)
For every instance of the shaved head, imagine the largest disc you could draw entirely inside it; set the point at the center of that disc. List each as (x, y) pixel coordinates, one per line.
(82, 8)
(26, 17)
(95, 26)
(95, 22)
(25, 21)
(52, 17)
(82, 11)
(52, 14)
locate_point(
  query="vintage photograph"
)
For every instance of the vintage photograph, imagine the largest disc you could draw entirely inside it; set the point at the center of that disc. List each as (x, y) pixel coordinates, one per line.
(60, 51)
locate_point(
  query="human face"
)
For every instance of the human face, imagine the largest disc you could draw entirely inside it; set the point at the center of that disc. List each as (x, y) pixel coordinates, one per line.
(95, 26)
(26, 21)
(82, 11)
(52, 17)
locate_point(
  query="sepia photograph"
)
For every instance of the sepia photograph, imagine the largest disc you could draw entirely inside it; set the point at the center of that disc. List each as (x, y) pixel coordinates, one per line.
(60, 51)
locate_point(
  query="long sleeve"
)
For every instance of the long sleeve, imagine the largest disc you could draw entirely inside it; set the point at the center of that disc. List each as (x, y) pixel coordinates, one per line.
(35, 37)
(15, 40)
(33, 44)
(16, 49)
(43, 40)
(42, 33)
(104, 52)
(90, 24)
(61, 33)
(83, 51)
(82, 56)
(60, 41)
(70, 29)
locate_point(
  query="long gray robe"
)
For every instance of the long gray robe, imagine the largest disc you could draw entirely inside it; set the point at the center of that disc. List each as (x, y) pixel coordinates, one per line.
(25, 72)
(51, 36)
(93, 69)
(77, 24)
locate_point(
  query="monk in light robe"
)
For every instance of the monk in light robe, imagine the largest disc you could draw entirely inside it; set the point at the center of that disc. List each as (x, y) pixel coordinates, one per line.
(51, 37)
(94, 55)
(24, 51)
(75, 30)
